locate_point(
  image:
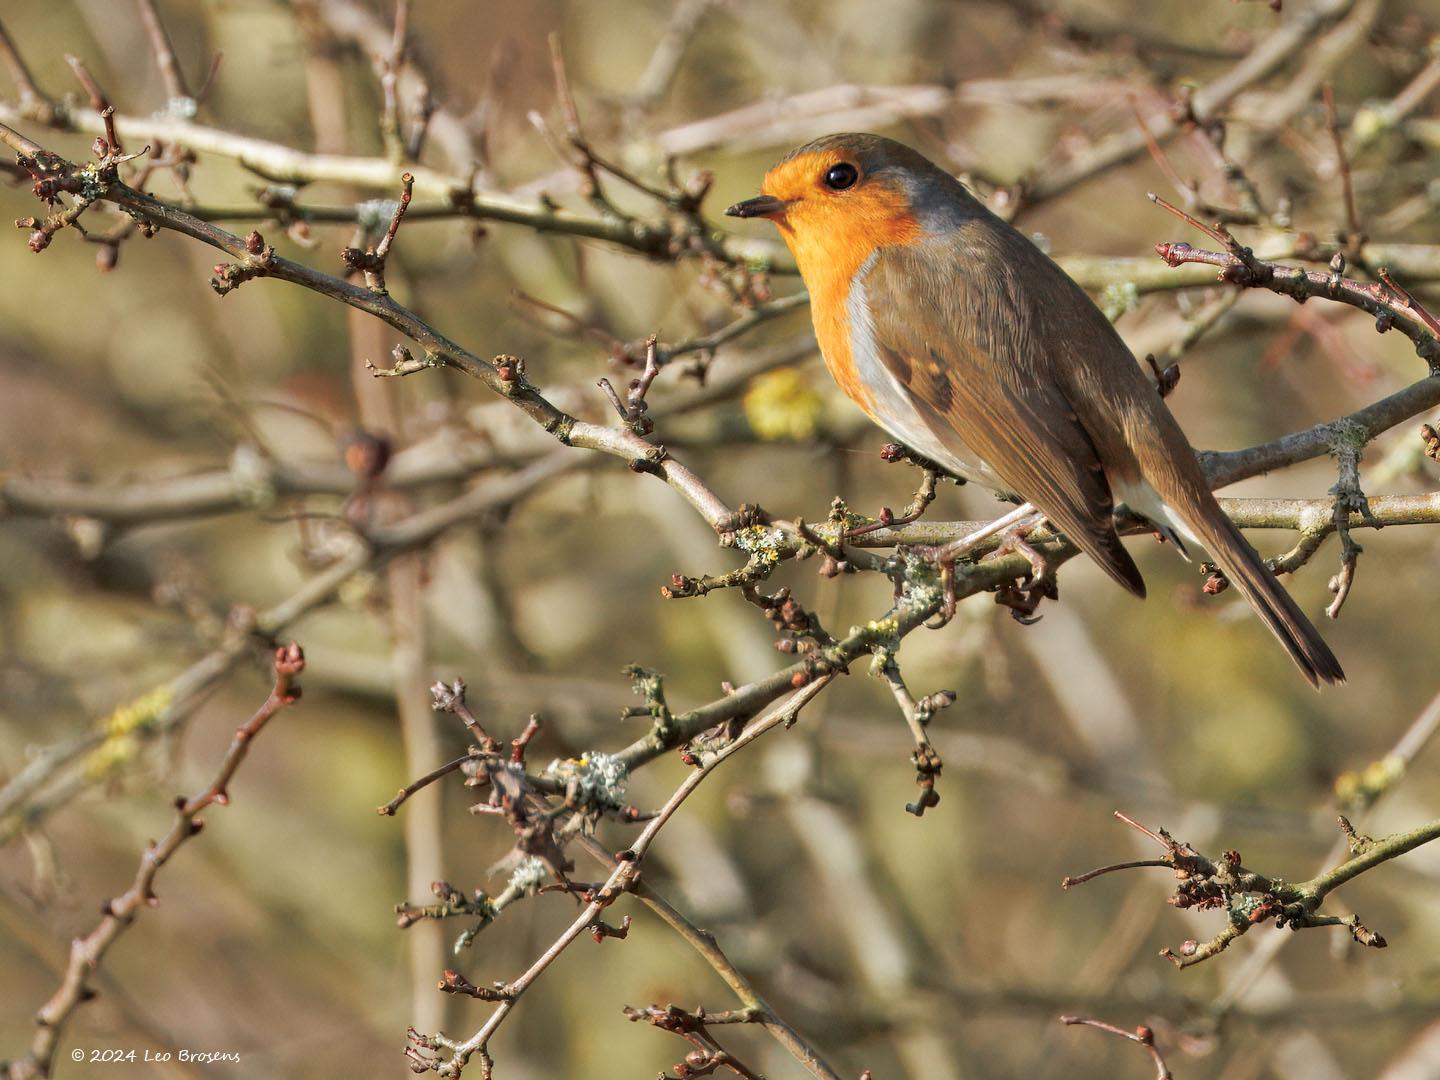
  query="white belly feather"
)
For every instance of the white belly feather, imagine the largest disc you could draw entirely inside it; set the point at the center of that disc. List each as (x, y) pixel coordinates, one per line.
(892, 402)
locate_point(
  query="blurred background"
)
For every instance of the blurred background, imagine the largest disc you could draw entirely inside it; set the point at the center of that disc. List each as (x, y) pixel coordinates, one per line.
(934, 947)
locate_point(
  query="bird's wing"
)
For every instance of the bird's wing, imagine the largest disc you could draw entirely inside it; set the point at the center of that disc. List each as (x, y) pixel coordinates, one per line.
(978, 379)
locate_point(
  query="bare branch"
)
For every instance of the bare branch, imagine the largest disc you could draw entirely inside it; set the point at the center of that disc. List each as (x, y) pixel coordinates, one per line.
(1142, 1035)
(88, 952)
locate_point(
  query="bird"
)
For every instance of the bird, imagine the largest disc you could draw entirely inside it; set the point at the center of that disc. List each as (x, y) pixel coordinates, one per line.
(956, 334)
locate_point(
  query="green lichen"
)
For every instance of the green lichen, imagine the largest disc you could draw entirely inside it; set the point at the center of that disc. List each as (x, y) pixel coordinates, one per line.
(1371, 121)
(528, 875)
(562, 428)
(887, 627)
(763, 545)
(1348, 436)
(596, 781)
(111, 755)
(138, 715)
(1118, 299)
(92, 184)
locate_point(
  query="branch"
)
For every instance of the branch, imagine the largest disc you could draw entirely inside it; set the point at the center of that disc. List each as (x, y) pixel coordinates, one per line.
(1223, 467)
(282, 164)
(254, 260)
(1249, 898)
(255, 481)
(87, 953)
(1275, 49)
(35, 104)
(173, 702)
(371, 261)
(621, 880)
(1142, 1035)
(756, 1010)
(1413, 262)
(182, 102)
(1354, 790)
(1392, 307)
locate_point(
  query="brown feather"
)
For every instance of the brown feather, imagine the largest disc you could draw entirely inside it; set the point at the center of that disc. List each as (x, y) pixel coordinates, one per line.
(1040, 385)
(993, 403)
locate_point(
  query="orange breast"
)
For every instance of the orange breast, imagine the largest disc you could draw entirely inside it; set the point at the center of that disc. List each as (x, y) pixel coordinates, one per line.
(832, 331)
(831, 240)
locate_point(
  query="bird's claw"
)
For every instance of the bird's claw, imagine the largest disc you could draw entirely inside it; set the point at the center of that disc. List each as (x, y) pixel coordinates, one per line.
(1024, 599)
(1024, 517)
(946, 565)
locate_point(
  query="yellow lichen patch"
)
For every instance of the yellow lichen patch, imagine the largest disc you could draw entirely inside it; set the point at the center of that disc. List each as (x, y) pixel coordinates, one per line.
(760, 543)
(1361, 788)
(110, 755)
(121, 729)
(782, 404)
(138, 714)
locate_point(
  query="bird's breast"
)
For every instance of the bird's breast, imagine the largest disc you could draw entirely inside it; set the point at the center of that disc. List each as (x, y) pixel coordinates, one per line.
(853, 353)
(831, 312)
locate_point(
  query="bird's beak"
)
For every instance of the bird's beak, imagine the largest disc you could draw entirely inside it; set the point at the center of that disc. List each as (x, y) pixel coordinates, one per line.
(766, 206)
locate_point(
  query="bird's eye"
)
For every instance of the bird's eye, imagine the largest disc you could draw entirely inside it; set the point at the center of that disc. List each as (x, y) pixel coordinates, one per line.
(839, 177)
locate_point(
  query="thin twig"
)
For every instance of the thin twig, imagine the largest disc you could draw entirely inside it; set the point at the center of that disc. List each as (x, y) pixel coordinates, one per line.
(388, 810)
(1142, 1035)
(87, 953)
(35, 104)
(164, 50)
(620, 881)
(1353, 234)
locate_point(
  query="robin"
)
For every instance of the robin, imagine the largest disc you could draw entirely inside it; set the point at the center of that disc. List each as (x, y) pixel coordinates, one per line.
(963, 340)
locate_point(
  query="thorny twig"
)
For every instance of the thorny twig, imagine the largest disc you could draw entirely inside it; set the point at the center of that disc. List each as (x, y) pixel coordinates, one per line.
(451, 698)
(1392, 308)
(1354, 790)
(98, 101)
(389, 809)
(708, 1056)
(753, 1005)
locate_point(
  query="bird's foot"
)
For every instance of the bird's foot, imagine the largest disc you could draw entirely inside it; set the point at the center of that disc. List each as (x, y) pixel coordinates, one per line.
(1024, 599)
(945, 555)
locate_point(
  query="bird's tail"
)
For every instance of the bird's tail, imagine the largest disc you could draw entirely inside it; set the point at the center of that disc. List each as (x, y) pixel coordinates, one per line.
(1197, 509)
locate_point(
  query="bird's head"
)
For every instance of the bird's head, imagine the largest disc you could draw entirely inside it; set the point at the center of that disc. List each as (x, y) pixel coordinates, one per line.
(837, 199)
